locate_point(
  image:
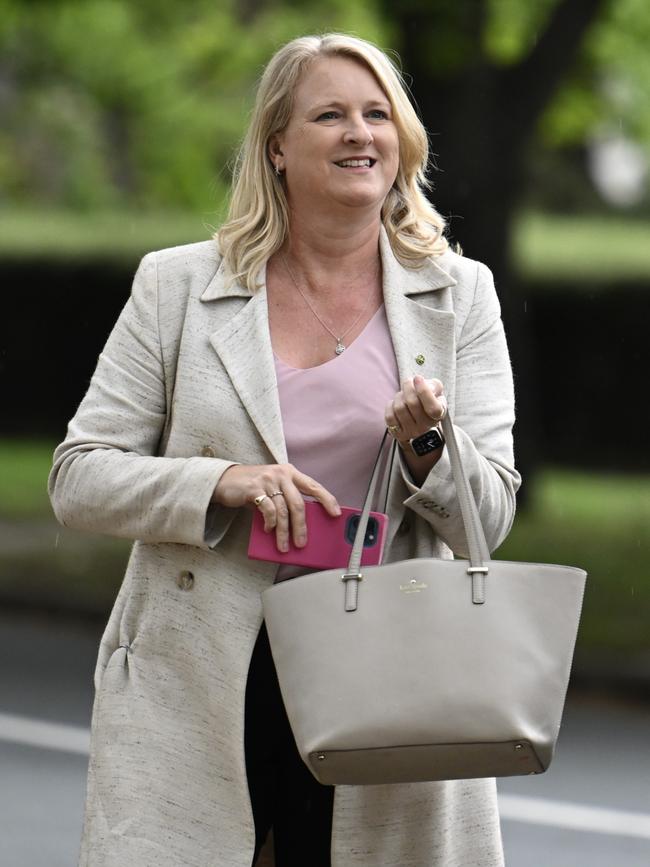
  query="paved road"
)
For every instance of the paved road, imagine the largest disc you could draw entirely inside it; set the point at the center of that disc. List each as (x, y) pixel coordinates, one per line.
(592, 809)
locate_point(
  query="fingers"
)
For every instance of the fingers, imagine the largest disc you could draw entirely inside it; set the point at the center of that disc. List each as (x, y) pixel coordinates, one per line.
(416, 408)
(302, 484)
(267, 507)
(431, 397)
(282, 504)
(291, 519)
(313, 489)
(283, 522)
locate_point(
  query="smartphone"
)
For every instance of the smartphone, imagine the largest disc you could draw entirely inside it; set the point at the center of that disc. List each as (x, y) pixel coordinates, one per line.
(329, 539)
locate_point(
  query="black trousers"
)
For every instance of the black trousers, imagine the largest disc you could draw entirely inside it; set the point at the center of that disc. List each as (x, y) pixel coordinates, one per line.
(284, 795)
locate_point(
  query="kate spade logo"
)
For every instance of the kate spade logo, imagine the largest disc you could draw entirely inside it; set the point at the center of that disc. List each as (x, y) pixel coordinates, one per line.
(413, 586)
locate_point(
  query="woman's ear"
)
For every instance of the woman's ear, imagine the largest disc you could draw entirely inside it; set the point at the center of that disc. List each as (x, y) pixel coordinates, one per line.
(275, 153)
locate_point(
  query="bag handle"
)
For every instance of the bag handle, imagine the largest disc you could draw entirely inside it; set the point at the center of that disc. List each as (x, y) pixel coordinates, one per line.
(479, 553)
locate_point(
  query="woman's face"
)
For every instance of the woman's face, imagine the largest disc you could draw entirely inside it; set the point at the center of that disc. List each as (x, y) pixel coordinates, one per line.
(341, 146)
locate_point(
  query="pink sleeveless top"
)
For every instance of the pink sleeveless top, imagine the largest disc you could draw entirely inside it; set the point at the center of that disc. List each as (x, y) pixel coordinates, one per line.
(333, 414)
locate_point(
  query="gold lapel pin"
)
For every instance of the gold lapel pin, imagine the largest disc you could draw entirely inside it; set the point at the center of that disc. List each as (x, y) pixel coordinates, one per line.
(420, 358)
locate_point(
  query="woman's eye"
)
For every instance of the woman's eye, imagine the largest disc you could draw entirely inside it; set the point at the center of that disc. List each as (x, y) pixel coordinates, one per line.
(378, 114)
(328, 115)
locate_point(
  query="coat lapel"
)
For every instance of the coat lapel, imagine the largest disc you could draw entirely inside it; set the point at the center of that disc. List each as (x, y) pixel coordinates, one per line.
(422, 334)
(243, 343)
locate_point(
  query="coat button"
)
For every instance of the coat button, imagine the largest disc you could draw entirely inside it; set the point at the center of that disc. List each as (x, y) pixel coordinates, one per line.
(185, 580)
(207, 452)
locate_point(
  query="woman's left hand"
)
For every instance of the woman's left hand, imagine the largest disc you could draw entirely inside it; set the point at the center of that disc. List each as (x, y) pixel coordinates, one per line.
(416, 408)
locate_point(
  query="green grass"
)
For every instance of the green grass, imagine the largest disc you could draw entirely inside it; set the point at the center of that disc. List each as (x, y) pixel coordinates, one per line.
(24, 468)
(589, 250)
(596, 521)
(119, 234)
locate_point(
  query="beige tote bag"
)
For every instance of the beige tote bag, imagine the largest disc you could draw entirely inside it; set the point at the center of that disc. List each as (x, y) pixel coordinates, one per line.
(426, 669)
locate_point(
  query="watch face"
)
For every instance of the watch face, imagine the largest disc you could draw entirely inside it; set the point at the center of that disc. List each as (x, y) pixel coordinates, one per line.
(427, 442)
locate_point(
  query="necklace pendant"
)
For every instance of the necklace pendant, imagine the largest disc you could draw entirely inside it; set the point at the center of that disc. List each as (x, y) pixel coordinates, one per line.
(340, 346)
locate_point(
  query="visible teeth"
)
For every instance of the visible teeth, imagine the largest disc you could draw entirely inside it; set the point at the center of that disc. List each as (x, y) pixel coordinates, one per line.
(354, 163)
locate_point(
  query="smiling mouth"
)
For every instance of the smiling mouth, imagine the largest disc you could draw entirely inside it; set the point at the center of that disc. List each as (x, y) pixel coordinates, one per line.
(365, 162)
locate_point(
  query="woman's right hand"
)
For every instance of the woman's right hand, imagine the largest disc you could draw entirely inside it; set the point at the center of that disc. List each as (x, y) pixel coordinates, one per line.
(278, 489)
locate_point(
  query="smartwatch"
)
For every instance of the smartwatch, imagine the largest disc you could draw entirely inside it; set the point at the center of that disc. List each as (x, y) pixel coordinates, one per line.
(427, 442)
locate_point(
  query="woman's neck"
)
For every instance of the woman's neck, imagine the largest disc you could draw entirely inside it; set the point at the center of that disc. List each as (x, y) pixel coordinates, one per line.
(321, 249)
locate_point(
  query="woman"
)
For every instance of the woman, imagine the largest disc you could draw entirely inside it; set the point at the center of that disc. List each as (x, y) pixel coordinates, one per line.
(328, 308)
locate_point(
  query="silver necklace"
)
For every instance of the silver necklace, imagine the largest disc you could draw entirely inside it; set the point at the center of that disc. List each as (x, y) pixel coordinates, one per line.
(340, 346)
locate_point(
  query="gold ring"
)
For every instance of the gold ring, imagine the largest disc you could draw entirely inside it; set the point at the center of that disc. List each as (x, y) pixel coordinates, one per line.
(259, 500)
(394, 428)
(276, 494)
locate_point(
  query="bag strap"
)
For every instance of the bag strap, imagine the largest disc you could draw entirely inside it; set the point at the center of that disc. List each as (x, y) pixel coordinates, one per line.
(479, 553)
(476, 543)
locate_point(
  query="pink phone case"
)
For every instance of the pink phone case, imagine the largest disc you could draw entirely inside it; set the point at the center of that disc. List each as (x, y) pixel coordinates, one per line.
(329, 540)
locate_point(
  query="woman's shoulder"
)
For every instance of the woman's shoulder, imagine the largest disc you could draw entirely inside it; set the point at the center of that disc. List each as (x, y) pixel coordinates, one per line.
(175, 274)
(465, 272)
(471, 285)
(474, 298)
(187, 259)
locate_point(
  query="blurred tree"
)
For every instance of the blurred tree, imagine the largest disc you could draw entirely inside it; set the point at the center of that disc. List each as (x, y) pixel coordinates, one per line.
(493, 77)
(107, 103)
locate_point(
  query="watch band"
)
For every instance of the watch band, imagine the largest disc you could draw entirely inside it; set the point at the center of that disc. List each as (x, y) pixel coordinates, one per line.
(427, 442)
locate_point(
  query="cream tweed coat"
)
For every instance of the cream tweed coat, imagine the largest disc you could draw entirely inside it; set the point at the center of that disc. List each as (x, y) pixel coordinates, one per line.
(184, 388)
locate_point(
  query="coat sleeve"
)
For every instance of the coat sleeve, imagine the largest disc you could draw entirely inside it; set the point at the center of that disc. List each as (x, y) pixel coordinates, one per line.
(106, 476)
(483, 420)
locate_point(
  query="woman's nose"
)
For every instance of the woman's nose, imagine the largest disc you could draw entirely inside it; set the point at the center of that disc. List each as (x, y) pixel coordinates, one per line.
(358, 132)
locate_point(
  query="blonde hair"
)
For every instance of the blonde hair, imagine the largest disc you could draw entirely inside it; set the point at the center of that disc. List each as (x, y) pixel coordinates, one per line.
(257, 223)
